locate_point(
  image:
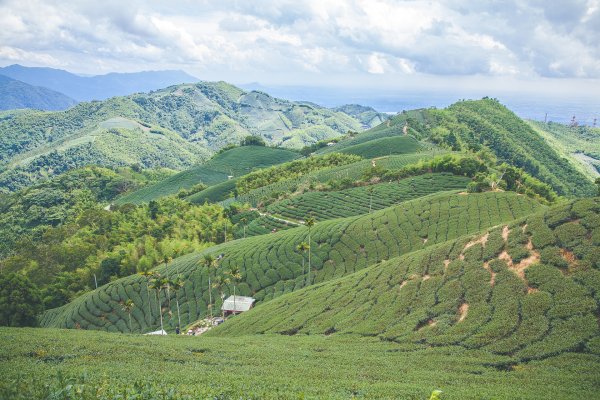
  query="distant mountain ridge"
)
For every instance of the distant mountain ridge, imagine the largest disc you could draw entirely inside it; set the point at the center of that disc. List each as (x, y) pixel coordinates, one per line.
(175, 127)
(15, 94)
(99, 87)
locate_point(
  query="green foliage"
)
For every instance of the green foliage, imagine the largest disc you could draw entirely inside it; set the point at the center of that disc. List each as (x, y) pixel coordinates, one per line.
(99, 245)
(253, 141)
(291, 170)
(20, 301)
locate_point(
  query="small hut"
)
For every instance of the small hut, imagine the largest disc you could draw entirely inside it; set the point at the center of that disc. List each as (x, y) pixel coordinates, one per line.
(237, 304)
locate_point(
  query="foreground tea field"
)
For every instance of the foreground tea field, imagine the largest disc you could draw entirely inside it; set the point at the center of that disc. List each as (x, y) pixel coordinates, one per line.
(270, 265)
(82, 365)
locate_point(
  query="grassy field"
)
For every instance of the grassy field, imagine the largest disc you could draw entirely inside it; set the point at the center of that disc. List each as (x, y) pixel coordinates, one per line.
(57, 364)
(359, 200)
(235, 162)
(271, 266)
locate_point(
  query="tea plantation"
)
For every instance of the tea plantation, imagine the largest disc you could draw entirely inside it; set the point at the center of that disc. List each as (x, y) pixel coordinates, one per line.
(86, 365)
(385, 146)
(527, 290)
(361, 200)
(271, 266)
(237, 161)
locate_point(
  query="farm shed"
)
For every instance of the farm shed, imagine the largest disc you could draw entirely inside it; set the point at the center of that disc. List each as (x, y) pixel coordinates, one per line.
(237, 304)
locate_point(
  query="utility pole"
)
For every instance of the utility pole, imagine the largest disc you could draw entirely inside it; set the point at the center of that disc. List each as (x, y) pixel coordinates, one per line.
(546, 119)
(594, 124)
(95, 281)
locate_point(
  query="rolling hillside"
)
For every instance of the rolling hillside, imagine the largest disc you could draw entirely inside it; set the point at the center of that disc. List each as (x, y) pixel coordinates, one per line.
(527, 289)
(174, 127)
(271, 266)
(15, 94)
(235, 162)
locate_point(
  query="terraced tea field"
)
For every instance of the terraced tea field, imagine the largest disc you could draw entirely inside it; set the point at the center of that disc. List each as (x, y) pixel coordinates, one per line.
(271, 266)
(527, 290)
(384, 146)
(362, 200)
(351, 171)
(237, 161)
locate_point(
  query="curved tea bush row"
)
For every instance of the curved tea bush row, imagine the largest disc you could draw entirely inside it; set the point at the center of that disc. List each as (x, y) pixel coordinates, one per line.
(352, 171)
(359, 200)
(529, 290)
(270, 265)
(237, 161)
(384, 147)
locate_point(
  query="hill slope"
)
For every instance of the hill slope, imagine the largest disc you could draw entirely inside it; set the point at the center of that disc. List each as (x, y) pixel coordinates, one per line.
(183, 123)
(271, 266)
(529, 289)
(234, 162)
(16, 94)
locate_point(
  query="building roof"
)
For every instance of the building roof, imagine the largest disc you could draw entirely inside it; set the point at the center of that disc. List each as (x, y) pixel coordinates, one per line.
(242, 303)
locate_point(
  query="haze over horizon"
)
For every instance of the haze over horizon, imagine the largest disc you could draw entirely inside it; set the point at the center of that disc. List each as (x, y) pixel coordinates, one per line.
(454, 48)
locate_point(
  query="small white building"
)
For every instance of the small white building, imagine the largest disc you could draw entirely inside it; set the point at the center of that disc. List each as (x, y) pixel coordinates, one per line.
(237, 304)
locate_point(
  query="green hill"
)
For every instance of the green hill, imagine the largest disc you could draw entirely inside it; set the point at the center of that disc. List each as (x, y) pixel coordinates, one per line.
(580, 145)
(174, 127)
(233, 162)
(528, 289)
(384, 147)
(15, 94)
(271, 266)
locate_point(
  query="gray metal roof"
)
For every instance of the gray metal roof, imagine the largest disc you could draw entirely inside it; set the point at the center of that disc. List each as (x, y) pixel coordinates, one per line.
(242, 303)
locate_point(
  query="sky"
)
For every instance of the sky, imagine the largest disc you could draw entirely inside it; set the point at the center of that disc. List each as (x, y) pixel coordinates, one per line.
(548, 46)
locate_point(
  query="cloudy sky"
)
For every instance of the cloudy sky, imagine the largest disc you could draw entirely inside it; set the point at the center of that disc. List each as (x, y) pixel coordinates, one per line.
(542, 43)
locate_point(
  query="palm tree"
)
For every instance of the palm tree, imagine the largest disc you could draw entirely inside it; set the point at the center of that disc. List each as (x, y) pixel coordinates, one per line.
(370, 191)
(148, 275)
(177, 284)
(167, 260)
(303, 247)
(209, 263)
(309, 222)
(236, 275)
(157, 284)
(219, 283)
(128, 306)
(244, 222)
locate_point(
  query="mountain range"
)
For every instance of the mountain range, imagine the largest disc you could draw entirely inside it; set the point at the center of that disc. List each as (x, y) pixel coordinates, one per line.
(15, 94)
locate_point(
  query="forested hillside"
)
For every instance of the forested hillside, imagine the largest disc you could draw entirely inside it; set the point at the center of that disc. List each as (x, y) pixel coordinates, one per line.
(174, 127)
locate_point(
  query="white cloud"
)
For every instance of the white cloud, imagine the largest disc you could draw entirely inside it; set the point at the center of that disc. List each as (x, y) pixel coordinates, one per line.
(322, 40)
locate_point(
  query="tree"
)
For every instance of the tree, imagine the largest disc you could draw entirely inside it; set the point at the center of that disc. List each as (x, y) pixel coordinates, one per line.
(303, 247)
(128, 306)
(177, 284)
(209, 263)
(244, 221)
(219, 283)
(309, 222)
(148, 275)
(20, 301)
(597, 182)
(158, 283)
(253, 141)
(236, 276)
(167, 260)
